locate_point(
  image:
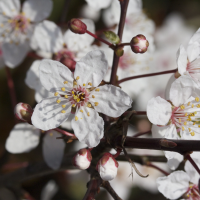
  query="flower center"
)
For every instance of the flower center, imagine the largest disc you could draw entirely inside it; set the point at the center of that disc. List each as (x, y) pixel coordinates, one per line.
(186, 116)
(66, 58)
(193, 193)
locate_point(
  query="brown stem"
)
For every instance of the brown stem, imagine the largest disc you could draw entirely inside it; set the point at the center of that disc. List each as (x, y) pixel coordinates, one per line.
(11, 87)
(124, 44)
(118, 153)
(64, 12)
(158, 168)
(106, 185)
(64, 132)
(147, 75)
(193, 163)
(93, 188)
(140, 134)
(124, 6)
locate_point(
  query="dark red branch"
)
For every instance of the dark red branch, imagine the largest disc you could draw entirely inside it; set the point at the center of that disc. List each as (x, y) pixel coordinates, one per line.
(140, 134)
(193, 163)
(11, 87)
(124, 6)
(147, 75)
(158, 168)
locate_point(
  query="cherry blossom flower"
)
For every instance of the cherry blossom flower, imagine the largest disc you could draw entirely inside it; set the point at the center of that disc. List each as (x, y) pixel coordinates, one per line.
(17, 26)
(81, 94)
(98, 4)
(24, 137)
(180, 183)
(188, 61)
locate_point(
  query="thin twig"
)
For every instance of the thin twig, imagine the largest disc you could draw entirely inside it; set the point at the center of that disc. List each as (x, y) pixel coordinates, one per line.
(193, 163)
(64, 12)
(106, 185)
(146, 75)
(124, 6)
(158, 168)
(140, 134)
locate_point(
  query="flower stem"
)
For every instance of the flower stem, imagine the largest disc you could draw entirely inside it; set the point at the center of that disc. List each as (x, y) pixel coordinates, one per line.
(64, 132)
(140, 134)
(11, 87)
(118, 153)
(64, 12)
(193, 163)
(158, 168)
(100, 39)
(146, 75)
(123, 44)
(124, 6)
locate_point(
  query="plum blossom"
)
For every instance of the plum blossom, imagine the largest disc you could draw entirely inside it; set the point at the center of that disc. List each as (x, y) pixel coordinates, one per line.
(25, 137)
(180, 183)
(79, 93)
(17, 26)
(188, 60)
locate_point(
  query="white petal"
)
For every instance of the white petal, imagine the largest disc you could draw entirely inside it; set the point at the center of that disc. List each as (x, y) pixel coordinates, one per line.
(193, 51)
(175, 161)
(169, 83)
(47, 114)
(181, 60)
(77, 42)
(14, 54)
(174, 185)
(159, 111)
(53, 149)
(67, 124)
(99, 4)
(53, 74)
(181, 89)
(22, 138)
(91, 68)
(158, 131)
(88, 129)
(195, 37)
(37, 10)
(10, 7)
(49, 190)
(48, 37)
(171, 132)
(112, 101)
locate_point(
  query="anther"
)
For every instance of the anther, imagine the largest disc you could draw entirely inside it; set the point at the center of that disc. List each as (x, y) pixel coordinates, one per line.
(96, 103)
(90, 83)
(188, 103)
(89, 105)
(58, 101)
(189, 129)
(197, 99)
(76, 118)
(63, 89)
(192, 133)
(66, 96)
(65, 82)
(63, 106)
(93, 96)
(77, 77)
(88, 114)
(63, 111)
(182, 107)
(186, 114)
(183, 128)
(185, 123)
(192, 105)
(97, 90)
(56, 94)
(194, 123)
(75, 83)
(83, 84)
(81, 111)
(73, 105)
(72, 92)
(199, 126)
(179, 120)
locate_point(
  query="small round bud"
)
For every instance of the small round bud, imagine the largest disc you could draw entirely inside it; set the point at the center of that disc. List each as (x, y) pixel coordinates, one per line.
(82, 159)
(119, 51)
(23, 112)
(107, 167)
(77, 26)
(70, 63)
(139, 44)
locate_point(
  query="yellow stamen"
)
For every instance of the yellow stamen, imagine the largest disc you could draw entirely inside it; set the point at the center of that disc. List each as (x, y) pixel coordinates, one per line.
(93, 96)
(197, 99)
(189, 129)
(58, 101)
(63, 106)
(192, 105)
(195, 112)
(90, 83)
(72, 92)
(76, 118)
(183, 128)
(56, 94)
(186, 114)
(192, 134)
(83, 84)
(182, 107)
(65, 82)
(188, 103)
(78, 100)
(73, 105)
(75, 83)
(88, 114)
(89, 105)
(185, 123)
(194, 123)
(66, 96)
(81, 111)
(179, 120)
(63, 111)
(96, 103)
(97, 90)
(77, 77)
(63, 89)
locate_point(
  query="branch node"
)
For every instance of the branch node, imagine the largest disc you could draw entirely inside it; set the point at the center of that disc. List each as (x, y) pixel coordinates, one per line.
(167, 143)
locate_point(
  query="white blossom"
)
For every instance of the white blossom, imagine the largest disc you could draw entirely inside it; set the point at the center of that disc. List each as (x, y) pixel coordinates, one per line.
(80, 93)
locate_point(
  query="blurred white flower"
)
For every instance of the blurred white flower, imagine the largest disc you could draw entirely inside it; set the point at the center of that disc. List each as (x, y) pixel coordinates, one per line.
(79, 93)
(17, 26)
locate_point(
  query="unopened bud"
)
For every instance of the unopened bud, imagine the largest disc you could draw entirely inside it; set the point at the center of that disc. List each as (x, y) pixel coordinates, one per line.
(114, 38)
(107, 167)
(23, 112)
(119, 51)
(82, 159)
(70, 63)
(139, 44)
(77, 26)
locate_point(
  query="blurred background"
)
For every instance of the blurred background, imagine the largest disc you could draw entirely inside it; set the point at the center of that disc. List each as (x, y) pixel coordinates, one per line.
(175, 21)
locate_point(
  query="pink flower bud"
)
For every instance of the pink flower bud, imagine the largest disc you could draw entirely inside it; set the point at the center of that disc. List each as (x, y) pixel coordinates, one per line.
(77, 26)
(107, 167)
(139, 44)
(82, 159)
(23, 112)
(70, 63)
